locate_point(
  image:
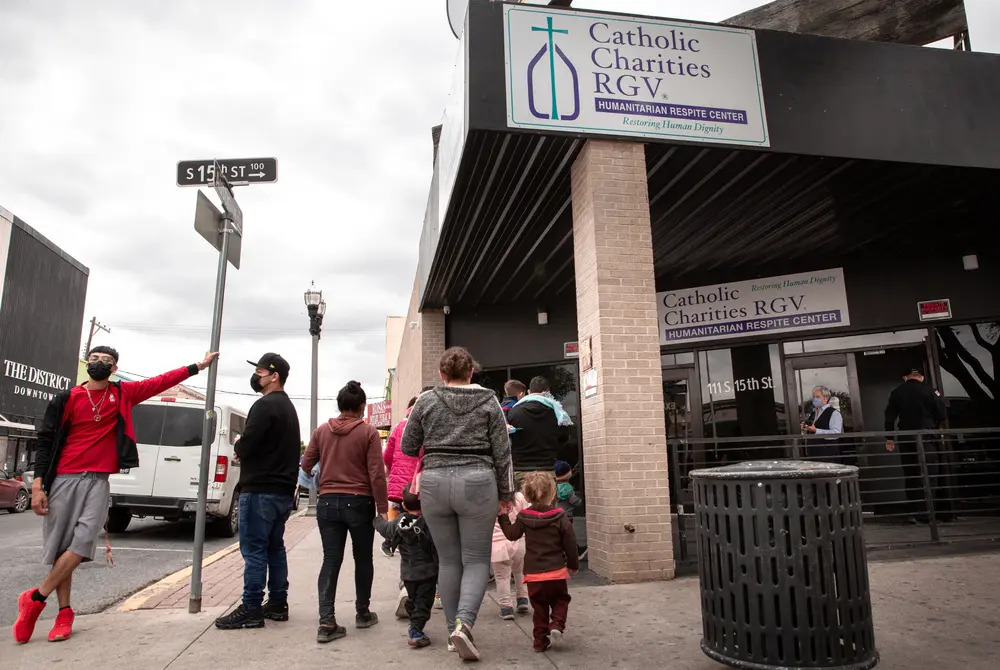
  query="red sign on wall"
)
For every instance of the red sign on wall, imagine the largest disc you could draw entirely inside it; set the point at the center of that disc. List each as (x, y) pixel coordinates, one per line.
(380, 414)
(932, 310)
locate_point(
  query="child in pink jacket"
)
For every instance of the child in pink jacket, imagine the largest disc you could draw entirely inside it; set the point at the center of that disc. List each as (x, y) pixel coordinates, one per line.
(508, 560)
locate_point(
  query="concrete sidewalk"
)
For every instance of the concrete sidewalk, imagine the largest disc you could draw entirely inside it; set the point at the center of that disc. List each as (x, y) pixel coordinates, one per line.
(930, 613)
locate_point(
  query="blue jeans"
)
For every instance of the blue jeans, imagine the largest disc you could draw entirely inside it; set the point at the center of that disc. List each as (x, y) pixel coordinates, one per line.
(339, 515)
(262, 543)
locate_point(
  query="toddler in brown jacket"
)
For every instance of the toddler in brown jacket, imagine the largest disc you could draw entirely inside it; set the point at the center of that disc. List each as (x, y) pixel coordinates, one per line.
(549, 559)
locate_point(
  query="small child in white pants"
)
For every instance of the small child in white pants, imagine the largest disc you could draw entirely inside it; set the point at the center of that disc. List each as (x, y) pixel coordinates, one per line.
(508, 561)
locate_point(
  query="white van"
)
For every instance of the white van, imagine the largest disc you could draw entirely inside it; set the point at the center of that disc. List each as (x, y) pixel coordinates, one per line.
(168, 434)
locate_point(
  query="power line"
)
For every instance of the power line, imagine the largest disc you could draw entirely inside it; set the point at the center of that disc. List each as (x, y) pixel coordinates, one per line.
(245, 393)
(180, 328)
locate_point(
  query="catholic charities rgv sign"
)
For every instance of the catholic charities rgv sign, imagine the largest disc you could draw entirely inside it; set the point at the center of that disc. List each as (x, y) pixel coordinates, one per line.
(784, 304)
(595, 73)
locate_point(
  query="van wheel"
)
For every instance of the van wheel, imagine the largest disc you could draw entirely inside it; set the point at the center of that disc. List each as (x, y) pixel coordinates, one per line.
(118, 519)
(228, 526)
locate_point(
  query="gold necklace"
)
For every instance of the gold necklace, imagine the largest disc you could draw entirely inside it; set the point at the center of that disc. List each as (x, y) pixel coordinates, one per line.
(96, 408)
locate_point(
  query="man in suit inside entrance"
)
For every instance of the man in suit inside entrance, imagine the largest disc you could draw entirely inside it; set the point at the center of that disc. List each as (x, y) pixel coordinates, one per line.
(824, 420)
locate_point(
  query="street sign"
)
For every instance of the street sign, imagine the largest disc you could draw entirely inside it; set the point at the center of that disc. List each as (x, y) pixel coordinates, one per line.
(239, 171)
(208, 222)
(225, 192)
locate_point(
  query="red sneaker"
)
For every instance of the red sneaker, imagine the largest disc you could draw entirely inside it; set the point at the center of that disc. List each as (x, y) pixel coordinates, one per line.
(63, 627)
(27, 614)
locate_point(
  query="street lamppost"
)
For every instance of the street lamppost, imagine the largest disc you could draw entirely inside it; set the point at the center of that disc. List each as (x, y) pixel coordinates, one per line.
(317, 308)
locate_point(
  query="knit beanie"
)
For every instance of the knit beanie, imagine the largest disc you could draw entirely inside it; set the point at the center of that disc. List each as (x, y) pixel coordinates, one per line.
(563, 471)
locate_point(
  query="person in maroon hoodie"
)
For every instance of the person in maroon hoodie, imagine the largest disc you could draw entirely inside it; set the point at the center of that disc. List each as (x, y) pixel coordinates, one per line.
(549, 559)
(352, 490)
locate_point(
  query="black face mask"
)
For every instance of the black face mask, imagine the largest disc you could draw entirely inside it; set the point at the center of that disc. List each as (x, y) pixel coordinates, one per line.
(99, 371)
(255, 383)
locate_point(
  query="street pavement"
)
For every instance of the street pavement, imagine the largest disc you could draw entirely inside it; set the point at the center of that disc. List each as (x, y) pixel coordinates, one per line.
(147, 552)
(934, 613)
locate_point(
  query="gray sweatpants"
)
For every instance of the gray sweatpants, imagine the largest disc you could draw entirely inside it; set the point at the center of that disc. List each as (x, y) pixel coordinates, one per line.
(460, 505)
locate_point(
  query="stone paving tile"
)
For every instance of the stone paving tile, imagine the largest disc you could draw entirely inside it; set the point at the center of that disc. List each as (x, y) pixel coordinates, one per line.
(222, 581)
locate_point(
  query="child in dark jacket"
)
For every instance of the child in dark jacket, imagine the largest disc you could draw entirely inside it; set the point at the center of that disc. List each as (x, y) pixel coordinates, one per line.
(549, 558)
(419, 564)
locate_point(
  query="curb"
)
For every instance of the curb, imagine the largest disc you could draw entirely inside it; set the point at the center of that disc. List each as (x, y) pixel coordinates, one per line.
(137, 600)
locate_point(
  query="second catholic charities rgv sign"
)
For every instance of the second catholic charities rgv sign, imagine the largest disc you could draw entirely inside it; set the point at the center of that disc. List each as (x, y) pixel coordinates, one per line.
(739, 309)
(596, 73)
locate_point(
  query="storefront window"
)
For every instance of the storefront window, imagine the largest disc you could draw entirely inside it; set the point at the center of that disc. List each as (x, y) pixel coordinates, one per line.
(673, 360)
(872, 341)
(970, 373)
(741, 391)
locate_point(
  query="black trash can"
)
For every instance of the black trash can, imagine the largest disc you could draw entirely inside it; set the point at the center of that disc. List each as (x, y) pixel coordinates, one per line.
(781, 559)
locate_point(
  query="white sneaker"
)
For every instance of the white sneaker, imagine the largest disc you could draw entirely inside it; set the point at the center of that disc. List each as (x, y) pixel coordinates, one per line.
(438, 605)
(451, 647)
(462, 639)
(401, 612)
(556, 637)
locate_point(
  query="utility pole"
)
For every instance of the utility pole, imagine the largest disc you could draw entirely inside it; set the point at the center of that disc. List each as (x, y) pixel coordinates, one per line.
(94, 325)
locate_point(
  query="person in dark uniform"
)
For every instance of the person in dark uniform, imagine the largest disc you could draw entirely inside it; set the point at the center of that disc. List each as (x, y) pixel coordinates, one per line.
(914, 405)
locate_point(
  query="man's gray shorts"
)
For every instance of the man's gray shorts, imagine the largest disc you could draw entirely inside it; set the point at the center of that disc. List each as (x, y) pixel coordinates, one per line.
(78, 508)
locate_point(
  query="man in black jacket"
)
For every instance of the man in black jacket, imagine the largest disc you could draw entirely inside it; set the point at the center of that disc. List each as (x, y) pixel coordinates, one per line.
(268, 454)
(916, 406)
(537, 435)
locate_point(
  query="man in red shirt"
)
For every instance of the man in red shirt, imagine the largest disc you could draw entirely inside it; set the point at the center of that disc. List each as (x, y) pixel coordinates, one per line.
(86, 436)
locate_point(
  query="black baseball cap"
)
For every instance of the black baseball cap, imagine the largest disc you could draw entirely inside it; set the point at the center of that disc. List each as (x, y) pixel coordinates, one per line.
(273, 362)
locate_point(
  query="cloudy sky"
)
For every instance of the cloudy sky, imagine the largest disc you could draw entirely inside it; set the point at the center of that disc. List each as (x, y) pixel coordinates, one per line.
(100, 99)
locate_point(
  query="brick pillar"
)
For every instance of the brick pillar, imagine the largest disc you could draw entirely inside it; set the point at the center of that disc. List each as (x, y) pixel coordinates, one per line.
(419, 354)
(624, 433)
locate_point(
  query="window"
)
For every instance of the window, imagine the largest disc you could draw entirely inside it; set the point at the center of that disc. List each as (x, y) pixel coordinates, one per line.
(182, 427)
(970, 373)
(168, 426)
(741, 390)
(871, 341)
(237, 424)
(148, 423)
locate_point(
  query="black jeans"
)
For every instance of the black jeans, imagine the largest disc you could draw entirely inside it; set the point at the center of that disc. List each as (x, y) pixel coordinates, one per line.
(337, 515)
(420, 600)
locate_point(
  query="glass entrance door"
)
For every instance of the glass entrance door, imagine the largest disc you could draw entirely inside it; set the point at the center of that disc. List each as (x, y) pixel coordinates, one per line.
(681, 412)
(839, 374)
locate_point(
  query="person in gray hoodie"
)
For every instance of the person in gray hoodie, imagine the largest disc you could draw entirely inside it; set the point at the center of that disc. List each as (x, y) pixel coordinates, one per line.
(466, 476)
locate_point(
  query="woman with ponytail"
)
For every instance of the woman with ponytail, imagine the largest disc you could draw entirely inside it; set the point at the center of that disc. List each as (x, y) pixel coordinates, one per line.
(352, 490)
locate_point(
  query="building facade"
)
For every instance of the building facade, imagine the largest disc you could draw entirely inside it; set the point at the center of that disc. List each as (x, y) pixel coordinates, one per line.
(42, 296)
(718, 219)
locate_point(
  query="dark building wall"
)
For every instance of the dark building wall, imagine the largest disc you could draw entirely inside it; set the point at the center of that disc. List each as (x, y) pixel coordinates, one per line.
(509, 335)
(823, 96)
(41, 316)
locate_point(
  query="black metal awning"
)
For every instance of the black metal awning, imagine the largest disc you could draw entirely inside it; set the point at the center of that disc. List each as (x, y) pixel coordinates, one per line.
(874, 149)
(714, 212)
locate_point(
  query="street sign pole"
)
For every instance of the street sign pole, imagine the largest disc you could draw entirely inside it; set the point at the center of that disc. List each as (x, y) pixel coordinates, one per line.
(208, 433)
(211, 420)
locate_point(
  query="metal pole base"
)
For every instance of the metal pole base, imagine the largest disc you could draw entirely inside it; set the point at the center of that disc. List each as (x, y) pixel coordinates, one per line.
(310, 511)
(194, 605)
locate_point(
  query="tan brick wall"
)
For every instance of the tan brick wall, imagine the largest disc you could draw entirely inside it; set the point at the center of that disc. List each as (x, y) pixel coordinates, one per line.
(624, 434)
(419, 354)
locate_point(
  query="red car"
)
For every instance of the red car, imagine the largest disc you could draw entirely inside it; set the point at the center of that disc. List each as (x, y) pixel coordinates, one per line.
(14, 495)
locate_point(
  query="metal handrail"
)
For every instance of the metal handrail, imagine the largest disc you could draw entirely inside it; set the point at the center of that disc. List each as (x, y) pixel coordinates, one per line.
(860, 434)
(955, 471)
